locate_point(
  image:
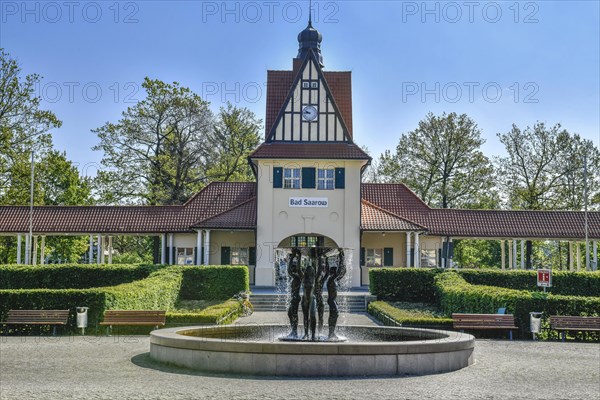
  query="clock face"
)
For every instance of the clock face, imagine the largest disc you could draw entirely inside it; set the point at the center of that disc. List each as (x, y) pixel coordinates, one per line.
(309, 113)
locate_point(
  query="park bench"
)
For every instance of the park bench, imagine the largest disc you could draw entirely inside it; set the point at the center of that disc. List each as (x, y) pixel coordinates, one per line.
(134, 318)
(484, 321)
(572, 323)
(38, 317)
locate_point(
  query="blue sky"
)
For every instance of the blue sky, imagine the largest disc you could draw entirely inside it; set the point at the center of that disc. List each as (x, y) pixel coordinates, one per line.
(499, 62)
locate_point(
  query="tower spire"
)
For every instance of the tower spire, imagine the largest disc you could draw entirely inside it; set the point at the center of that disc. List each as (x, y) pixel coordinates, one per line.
(310, 39)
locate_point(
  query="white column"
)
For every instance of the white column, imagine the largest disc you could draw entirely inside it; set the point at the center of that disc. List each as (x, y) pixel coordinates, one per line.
(522, 254)
(408, 246)
(515, 253)
(578, 256)
(207, 247)
(417, 251)
(199, 247)
(35, 250)
(510, 256)
(502, 255)
(27, 249)
(170, 249)
(43, 250)
(571, 258)
(595, 255)
(163, 244)
(19, 239)
(91, 250)
(110, 249)
(99, 250)
(588, 261)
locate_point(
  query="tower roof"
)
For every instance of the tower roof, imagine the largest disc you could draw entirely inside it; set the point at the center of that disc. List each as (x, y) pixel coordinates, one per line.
(310, 39)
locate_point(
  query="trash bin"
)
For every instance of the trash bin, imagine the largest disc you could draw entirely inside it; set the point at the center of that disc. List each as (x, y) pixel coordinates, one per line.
(535, 322)
(82, 318)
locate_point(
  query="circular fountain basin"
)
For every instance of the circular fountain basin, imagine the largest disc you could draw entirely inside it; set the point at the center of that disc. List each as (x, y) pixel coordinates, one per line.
(369, 351)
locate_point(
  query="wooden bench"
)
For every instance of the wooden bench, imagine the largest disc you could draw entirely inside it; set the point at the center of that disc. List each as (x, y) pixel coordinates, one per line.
(38, 317)
(485, 321)
(572, 323)
(134, 318)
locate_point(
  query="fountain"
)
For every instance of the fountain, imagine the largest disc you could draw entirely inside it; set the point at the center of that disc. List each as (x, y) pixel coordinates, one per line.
(343, 351)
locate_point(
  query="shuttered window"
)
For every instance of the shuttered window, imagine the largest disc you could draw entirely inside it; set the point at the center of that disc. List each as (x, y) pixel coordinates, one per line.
(340, 178)
(308, 178)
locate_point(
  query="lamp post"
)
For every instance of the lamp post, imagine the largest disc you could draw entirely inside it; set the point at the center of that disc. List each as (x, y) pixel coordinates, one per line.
(585, 202)
(28, 258)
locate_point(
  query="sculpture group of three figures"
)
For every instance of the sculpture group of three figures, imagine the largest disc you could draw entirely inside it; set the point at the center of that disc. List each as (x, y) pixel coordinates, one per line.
(312, 276)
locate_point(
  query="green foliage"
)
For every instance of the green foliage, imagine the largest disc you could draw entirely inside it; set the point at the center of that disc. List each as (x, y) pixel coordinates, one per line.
(458, 296)
(160, 291)
(447, 166)
(563, 282)
(214, 282)
(390, 315)
(70, 276)
(477, 253)
(403, 284)
(222, 313)
(236, 135)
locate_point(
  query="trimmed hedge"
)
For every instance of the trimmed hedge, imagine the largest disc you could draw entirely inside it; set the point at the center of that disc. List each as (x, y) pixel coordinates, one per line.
(223, 313)
(404, 284)
(214, 282)
(458, 296)
(563, 282)
(159, 291)
(71, 276)
(385, 312)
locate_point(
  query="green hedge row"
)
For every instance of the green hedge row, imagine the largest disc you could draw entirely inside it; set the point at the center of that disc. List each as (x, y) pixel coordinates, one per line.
(563, 282)
(71, 276)
(404, 284)
(458, 296)
(223, 313)
(214, 282)
(387, 313)
(417, 284)
(159, 291)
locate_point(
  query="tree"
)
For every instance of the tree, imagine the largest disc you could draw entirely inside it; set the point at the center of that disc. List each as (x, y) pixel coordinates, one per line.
(158, 151)
(236, 135)
(23, 125)
(57, 182)
(543, 170)
(442, 162)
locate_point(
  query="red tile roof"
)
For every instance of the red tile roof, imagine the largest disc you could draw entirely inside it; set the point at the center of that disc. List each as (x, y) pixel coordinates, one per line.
(325, 150)
(230, 205)
(400, 200)
(279, 84)
(373, 218)
(242, 216)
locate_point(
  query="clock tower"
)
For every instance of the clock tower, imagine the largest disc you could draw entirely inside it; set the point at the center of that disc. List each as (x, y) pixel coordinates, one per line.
(308, 169)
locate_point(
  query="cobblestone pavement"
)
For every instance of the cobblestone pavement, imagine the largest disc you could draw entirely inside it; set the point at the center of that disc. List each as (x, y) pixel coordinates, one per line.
(120, 368)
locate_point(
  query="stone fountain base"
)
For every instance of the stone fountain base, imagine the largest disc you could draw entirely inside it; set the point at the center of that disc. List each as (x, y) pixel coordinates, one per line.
(256, 350)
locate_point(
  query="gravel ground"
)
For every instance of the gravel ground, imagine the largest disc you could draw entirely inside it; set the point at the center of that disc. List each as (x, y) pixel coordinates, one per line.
(120, 368)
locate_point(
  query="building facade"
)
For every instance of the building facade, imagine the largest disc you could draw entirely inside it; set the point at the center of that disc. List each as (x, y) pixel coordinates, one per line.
(308, 191)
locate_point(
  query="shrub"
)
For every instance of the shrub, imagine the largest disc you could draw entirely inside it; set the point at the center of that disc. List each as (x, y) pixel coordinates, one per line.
(71, 276)
(386, 312)
(214, 282)
(223, 313)
(404, 284)
(458, 296)
(563, 282)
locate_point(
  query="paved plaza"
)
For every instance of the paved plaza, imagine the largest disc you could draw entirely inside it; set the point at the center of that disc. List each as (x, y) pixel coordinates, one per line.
(119, 368)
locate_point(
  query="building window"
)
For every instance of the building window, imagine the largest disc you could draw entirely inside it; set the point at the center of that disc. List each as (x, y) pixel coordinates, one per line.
(185, 256)
(374, 257)
(326, 179)
(429, 258)
(291, 178)
(306, 241)
(239, 256)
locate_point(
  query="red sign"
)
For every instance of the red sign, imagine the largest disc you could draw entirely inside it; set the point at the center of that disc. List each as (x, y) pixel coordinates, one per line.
(544, 277)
